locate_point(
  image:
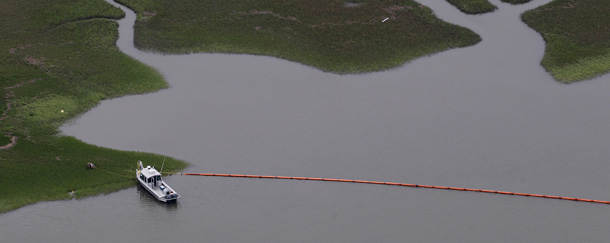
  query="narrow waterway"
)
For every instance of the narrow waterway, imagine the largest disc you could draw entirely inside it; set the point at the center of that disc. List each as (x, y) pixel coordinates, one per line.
(486, 116)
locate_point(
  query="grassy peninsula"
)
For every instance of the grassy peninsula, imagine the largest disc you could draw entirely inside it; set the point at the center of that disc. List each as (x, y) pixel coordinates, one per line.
(61, 56)
(577, 35)
(332, 35)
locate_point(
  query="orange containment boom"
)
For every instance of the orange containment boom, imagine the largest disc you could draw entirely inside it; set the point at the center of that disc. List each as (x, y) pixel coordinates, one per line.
(397, 184)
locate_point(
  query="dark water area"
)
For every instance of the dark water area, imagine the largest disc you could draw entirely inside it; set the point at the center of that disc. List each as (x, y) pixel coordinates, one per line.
(486, 117)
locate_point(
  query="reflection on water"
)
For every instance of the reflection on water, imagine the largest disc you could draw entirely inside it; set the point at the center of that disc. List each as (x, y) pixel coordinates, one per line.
(148, 201)
(486, 116)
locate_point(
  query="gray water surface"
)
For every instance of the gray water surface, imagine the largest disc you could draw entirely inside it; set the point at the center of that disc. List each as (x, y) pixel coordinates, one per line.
(486, 117)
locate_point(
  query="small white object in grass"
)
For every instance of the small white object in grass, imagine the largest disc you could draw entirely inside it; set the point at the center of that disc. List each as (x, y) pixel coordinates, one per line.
(385, 20)
(62, 111)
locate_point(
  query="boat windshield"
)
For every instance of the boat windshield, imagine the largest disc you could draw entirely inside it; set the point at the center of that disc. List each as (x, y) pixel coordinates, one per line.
(158, 178)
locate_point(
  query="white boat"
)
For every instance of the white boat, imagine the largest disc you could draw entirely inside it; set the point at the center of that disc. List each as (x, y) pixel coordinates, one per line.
(151, 180)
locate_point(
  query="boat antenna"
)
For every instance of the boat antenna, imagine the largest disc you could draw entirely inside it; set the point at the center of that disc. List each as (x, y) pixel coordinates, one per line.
(162, 165)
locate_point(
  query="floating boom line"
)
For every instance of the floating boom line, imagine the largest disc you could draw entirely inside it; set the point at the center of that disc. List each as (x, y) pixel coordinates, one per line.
(394, 184)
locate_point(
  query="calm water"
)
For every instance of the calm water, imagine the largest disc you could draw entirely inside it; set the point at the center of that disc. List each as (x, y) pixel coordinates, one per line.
(484, 117)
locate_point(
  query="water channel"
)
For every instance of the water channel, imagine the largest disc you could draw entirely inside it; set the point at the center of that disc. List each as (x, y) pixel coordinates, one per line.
(486, 117)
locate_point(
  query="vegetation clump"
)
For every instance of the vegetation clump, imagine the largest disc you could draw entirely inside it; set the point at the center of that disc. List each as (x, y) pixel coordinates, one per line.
(473, 6)
(480, 6)
(577, 35)
(516, 1)
(331, 35)
(57, 60)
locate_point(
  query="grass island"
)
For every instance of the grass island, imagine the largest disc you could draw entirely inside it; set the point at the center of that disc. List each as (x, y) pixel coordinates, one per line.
(336, 36)
(473, 6)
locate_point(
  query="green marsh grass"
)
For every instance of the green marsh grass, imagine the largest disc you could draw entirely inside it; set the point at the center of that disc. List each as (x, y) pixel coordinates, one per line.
(63, 54)
(327, 34)
(480, 6)
(4, 139)
(516, 1)
(473, 6)
(577, 36)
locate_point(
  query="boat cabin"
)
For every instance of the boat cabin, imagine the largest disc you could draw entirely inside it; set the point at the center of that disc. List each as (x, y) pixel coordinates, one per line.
(151, 176)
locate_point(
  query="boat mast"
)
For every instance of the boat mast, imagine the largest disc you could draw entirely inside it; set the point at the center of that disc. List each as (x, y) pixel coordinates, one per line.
(162, 165)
